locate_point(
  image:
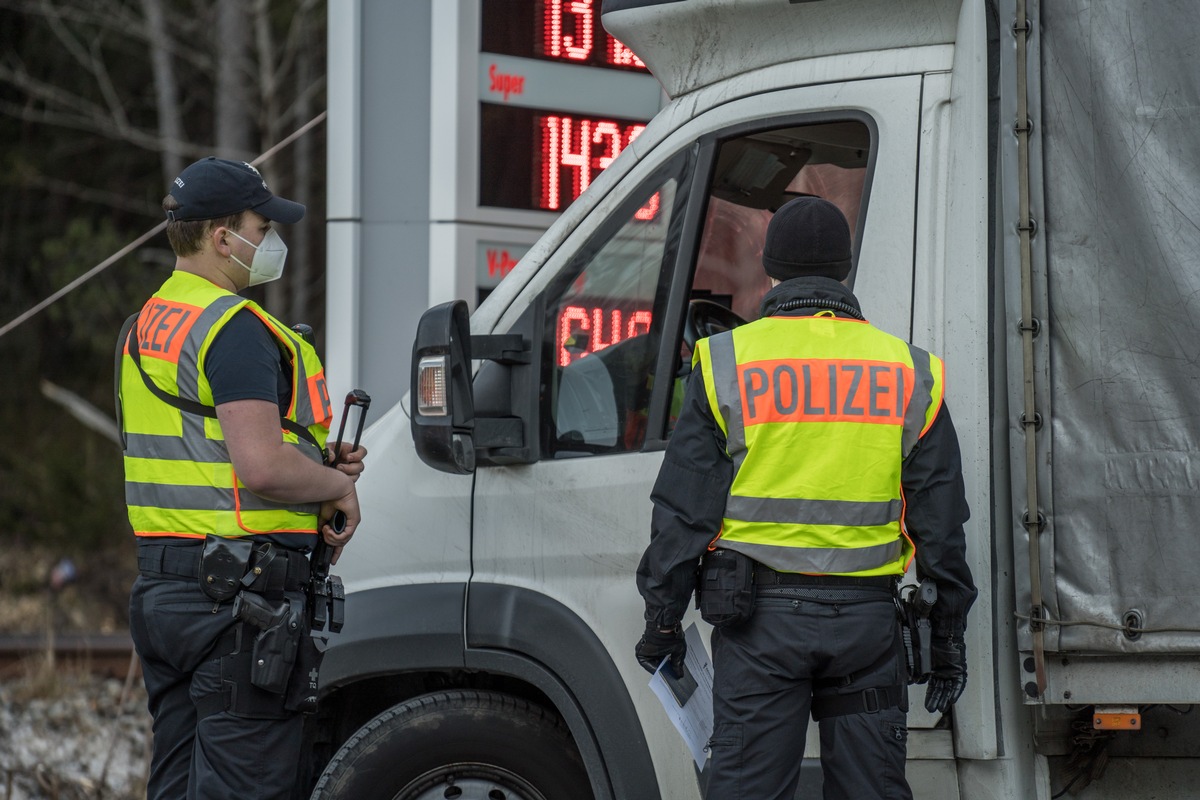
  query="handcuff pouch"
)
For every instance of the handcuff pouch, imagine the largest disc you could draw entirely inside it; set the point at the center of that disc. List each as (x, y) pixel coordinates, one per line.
(726, 588)
(223, 562)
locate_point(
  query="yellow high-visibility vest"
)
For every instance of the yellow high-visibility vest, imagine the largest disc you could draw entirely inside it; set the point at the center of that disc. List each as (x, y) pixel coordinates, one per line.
(818, 414)
(179, 480)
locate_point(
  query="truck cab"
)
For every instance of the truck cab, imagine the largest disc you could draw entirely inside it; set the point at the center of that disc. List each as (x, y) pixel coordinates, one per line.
(491, 610)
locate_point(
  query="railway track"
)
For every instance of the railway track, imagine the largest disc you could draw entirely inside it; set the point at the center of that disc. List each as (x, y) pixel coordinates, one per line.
(108, 654)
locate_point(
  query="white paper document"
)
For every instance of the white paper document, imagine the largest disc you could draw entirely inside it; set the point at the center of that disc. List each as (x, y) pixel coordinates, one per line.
(694, 719)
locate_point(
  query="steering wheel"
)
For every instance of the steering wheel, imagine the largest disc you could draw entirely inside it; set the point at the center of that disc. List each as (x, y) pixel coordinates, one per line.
(704, 318)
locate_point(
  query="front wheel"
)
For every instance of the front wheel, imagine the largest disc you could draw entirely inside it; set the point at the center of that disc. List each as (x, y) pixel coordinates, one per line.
(462, 745)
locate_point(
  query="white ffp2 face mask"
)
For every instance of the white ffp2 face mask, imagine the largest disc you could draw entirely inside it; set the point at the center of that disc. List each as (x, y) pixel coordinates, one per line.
(269, 255)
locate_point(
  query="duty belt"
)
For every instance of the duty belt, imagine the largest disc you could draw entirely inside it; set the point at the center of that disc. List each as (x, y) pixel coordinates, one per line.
(183, 561)
(765, 576)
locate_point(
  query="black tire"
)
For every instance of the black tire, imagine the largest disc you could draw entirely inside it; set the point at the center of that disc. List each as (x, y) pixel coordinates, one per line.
(458, 745)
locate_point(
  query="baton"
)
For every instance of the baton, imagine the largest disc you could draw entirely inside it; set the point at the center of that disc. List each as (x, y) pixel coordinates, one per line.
(355, 397)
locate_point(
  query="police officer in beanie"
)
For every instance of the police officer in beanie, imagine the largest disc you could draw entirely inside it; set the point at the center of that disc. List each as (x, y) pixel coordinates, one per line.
(224, 416)
(814, 458)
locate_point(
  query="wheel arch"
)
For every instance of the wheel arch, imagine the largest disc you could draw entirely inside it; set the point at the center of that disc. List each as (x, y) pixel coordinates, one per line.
(404, 640)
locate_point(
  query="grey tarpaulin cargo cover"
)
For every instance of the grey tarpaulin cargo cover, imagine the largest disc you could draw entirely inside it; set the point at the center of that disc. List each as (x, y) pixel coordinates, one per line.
(1115, 187)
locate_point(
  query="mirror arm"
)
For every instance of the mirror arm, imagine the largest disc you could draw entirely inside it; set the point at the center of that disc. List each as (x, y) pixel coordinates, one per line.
(504, 348)
(492, 432)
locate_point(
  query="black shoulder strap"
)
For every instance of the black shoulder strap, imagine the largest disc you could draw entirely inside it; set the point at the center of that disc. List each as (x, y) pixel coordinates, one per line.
(124, 335)
(191, 406)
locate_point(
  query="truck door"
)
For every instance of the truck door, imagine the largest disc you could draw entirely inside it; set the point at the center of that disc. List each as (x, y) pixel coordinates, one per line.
(671, 251)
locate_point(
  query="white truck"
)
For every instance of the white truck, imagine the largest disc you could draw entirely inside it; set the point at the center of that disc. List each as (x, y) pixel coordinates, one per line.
(1022, 178)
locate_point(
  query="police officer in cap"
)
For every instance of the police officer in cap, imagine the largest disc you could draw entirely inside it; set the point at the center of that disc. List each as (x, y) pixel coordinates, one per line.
(814, 458)
(224, 416)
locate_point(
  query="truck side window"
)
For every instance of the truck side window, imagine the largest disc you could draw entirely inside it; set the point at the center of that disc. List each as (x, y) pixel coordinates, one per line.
(603, 323)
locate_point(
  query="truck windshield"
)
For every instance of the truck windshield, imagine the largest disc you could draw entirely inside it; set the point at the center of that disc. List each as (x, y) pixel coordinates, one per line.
(755, 175)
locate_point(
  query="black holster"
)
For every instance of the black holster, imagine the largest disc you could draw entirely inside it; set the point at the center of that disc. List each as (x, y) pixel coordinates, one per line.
(725, 589)
(280, 629)
(286, 658)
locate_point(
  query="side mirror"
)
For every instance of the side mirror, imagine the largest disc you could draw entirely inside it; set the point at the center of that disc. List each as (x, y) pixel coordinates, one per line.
(443, 408)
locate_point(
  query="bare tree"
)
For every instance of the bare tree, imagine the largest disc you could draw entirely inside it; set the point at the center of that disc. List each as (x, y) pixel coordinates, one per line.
(306, 70)
(86, 100)
(285, 108)
(234, 102)
(170, 117)
(230, 78)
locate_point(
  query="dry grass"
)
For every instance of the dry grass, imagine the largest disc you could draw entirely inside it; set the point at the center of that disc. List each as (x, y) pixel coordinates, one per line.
(44, 677)
(95, 603)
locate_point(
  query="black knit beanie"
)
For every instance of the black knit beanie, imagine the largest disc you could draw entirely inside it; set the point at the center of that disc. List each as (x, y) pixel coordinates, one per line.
(807, 236)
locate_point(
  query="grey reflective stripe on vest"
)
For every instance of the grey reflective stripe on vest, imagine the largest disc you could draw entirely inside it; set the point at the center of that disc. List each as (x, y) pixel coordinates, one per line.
(194, 446)
(847, 513)
(199, 446)
(723, 359)
(922, 397)
(819, 560)
(204, 498)
(182, 498)
(191, 445)
(171, 448)
(187, 379)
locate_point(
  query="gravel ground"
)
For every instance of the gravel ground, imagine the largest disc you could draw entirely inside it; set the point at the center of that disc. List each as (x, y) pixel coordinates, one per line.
(68, 735)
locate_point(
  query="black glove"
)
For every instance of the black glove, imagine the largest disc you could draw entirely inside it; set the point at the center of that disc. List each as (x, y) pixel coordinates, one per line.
(657, 644)
(949, 675)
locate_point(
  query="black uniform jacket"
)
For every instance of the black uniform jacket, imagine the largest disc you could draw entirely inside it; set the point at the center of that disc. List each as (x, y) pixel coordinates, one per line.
(693, 484)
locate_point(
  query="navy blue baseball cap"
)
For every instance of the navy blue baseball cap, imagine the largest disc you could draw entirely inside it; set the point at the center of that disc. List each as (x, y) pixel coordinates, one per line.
(216, 187)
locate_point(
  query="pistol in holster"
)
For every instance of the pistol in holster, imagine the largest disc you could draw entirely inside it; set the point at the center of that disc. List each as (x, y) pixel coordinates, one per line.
(278, 640)
(916, 602)
(285, 659)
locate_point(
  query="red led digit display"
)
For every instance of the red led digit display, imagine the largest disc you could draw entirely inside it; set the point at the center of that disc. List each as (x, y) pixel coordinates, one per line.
(584, 328)
(572, 38)
(541, 160)
(573, 150)
(555, 30)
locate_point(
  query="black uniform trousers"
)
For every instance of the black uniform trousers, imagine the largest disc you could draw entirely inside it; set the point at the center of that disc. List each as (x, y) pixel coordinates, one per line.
(224, 755)
(765, 673)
